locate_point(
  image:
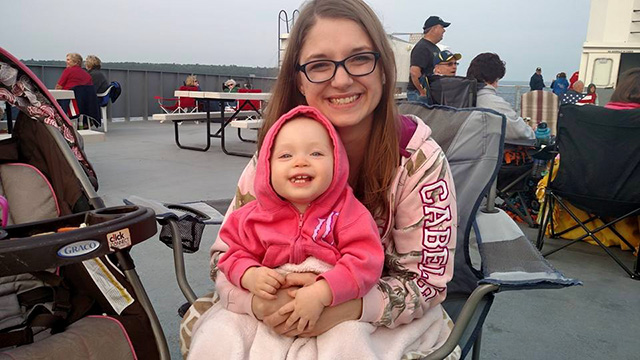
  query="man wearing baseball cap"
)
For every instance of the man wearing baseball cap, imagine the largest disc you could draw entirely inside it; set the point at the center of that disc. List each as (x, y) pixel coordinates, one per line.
(422, 58)
(536, 82)
(446, 63)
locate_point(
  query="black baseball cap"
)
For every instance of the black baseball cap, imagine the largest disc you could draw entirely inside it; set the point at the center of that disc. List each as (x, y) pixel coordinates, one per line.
(433, 21)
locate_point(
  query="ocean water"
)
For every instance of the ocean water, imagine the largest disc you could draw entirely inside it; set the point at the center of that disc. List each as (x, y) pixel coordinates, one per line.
(512, 90)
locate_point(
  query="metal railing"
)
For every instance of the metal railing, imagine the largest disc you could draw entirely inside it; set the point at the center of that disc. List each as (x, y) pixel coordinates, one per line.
(140, 86)
(512, 94)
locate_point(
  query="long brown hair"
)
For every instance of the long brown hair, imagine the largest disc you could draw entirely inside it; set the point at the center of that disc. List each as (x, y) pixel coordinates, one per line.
(382, 156)
(628, 87)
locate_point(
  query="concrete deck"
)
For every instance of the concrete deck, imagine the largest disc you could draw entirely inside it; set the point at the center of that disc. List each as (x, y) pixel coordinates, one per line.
(600, 320)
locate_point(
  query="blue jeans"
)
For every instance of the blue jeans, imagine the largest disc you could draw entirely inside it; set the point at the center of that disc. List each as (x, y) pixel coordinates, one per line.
(414, 95)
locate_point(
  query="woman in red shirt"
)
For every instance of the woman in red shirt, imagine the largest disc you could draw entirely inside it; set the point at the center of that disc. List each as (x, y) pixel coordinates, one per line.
(74, 74)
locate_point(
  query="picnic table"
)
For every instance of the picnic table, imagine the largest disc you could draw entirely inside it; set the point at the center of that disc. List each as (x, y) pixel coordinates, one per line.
(244, 100)
(65, 95)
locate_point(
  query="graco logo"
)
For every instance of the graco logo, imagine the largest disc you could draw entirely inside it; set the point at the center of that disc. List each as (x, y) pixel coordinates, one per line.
(78, 248)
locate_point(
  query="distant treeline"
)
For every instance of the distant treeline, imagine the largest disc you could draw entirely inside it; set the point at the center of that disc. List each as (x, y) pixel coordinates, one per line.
(181, 68)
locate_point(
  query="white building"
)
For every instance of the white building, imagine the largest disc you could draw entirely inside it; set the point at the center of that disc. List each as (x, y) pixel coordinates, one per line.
(612, 45)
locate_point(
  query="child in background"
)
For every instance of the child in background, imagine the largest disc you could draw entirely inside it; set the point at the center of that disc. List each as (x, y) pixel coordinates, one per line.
(305, 219)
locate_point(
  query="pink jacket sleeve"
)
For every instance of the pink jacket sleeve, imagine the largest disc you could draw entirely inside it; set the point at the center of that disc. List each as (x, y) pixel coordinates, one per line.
(244, 251)
(360, 266)
(233, 298)
(420, 244)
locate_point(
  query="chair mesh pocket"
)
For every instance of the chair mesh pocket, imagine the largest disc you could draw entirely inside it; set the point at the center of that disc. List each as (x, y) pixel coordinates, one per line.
(190, 230)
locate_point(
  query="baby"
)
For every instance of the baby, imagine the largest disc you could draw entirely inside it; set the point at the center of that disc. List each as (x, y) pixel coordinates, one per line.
(305, 219)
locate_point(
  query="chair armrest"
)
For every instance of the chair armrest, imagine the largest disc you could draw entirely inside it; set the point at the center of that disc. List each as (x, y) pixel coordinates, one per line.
(462, 322)
(510, 260)
(173, 217)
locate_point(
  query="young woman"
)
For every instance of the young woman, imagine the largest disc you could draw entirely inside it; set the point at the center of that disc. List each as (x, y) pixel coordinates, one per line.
(339, 61)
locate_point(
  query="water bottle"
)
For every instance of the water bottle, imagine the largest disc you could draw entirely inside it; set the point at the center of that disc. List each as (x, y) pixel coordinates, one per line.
(543, 134)
(543, 137)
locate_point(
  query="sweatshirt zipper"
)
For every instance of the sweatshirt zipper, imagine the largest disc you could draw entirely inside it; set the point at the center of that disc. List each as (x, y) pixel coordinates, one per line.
(297, 251)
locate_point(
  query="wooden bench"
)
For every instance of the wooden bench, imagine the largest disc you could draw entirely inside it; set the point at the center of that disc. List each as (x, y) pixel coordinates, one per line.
(247, 124)
(198, 116)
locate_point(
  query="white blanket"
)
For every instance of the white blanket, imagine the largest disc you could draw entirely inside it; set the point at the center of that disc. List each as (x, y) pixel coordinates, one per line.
(222, 334)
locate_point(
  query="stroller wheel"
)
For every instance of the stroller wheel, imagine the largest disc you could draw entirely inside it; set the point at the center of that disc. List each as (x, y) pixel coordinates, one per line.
(183, 309)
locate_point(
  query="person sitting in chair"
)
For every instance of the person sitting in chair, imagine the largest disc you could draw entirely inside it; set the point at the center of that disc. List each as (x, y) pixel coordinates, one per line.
(74, 74)
(488, 69)
(446, 63)
(627, 93)
(93, 66)
(574, 94)
(190, 84)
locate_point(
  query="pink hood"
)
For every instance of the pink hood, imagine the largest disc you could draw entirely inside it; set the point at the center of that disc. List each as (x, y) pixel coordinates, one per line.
(336, 228)
(265, 194)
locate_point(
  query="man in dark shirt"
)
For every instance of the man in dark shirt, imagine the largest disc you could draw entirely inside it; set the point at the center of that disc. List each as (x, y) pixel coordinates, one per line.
(422, 57)
(536, 82)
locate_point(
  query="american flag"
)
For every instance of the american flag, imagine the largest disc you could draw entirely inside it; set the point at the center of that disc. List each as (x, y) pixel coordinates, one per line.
(571, 97)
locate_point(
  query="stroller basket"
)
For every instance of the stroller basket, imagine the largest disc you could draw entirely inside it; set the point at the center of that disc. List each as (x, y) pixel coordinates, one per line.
(191, 228)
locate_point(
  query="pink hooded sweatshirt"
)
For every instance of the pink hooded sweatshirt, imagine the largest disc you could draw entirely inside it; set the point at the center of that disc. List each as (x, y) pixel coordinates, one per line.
(336, 228)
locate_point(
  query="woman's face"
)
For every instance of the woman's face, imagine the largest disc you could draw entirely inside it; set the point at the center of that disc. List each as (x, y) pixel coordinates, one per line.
(347, 101)
(70, 62)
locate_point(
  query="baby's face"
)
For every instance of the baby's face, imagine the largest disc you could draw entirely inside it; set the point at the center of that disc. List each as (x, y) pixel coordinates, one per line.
(301, 161)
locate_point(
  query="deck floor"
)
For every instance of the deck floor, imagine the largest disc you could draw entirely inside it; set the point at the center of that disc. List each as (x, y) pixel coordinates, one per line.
(600, 320)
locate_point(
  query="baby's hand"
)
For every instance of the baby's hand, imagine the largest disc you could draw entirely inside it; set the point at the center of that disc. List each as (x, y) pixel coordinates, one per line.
(299, 279)
(262, 281)
(308, 305)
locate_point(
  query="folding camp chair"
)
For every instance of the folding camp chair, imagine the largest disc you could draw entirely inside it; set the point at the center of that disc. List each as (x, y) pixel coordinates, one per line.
(540, 106)
(472, 140)
(455, 91)
(599, 173)
(177, 105)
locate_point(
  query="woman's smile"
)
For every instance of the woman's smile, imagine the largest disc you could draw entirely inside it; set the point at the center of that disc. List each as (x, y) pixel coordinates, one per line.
(347, 101)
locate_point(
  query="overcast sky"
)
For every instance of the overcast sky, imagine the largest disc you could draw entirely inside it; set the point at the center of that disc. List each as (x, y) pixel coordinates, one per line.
(525, 33)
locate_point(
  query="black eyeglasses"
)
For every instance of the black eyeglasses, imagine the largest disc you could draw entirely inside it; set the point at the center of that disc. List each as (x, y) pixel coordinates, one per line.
(319, 71)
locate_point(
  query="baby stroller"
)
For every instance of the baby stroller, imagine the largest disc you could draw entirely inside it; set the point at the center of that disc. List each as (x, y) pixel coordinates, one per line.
(68, 286)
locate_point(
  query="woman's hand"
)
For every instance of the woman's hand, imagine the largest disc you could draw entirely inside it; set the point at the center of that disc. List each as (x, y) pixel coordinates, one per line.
(331, 316)
(262, 308)
(299, 279)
